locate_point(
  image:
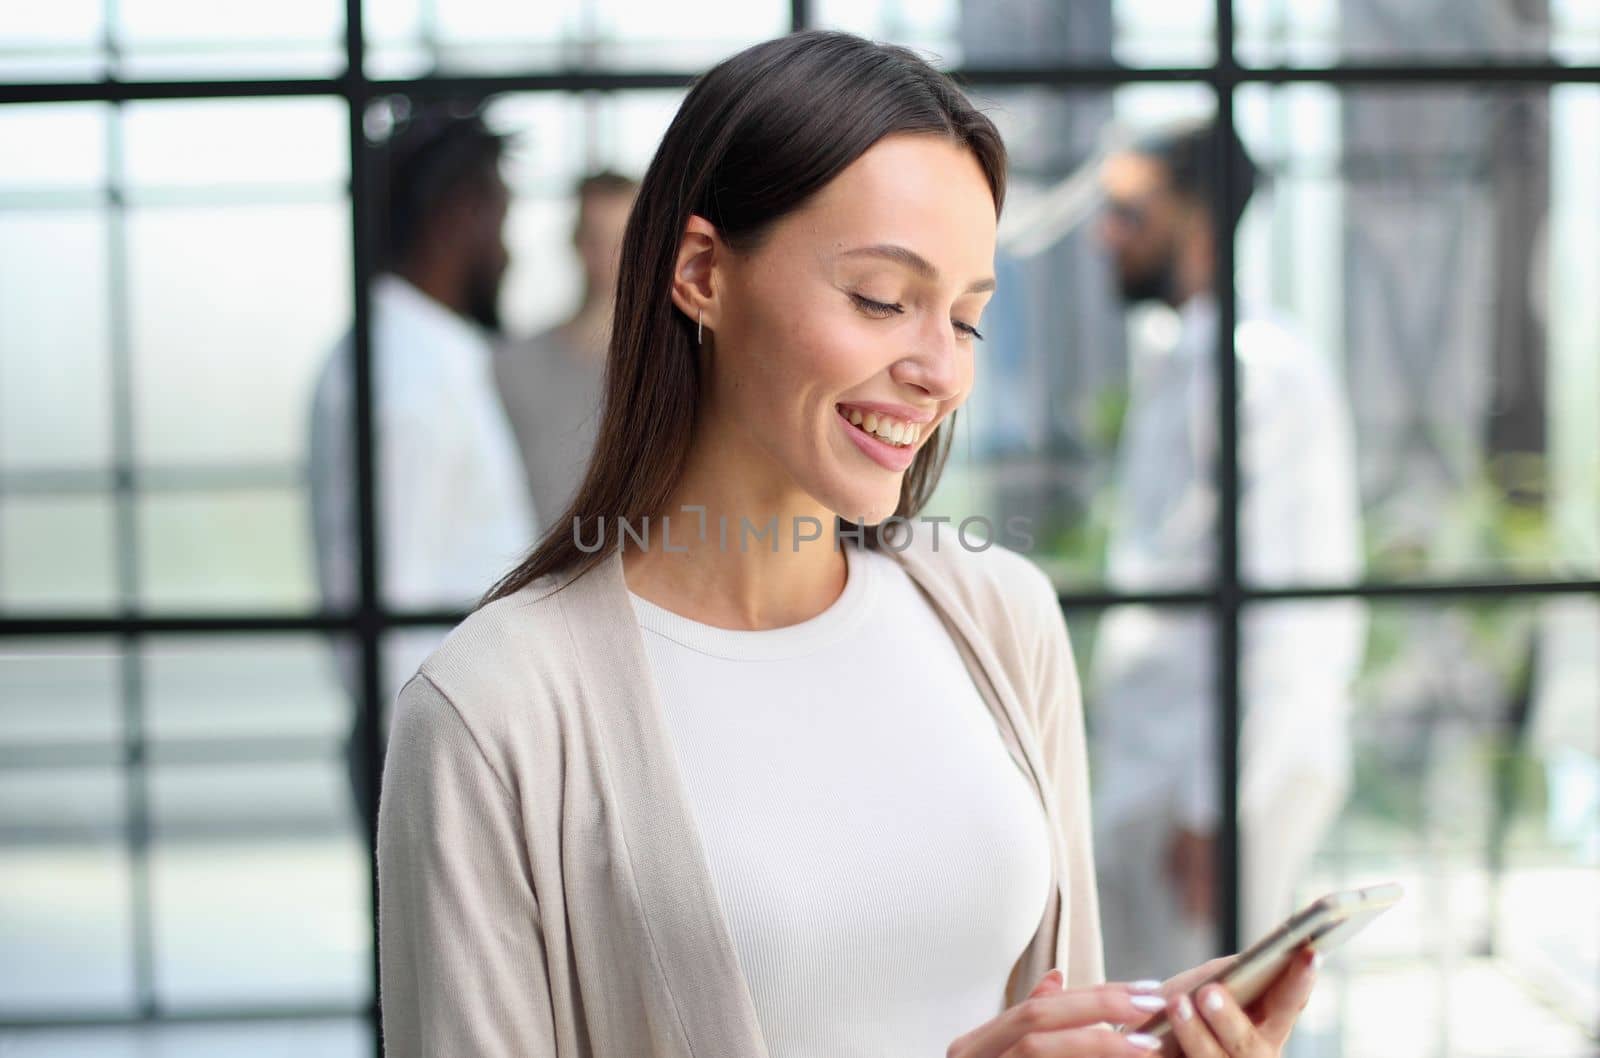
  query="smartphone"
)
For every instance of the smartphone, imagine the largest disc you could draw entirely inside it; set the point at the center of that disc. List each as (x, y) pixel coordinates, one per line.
(1322, 925)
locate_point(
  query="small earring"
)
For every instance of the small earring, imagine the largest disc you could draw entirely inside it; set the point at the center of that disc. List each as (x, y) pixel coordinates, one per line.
(700, 329)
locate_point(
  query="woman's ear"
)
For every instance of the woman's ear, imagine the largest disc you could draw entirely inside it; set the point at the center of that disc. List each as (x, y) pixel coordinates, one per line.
(694, 274)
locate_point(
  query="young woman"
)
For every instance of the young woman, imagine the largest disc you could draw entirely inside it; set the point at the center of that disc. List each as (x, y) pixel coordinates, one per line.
(706, 775)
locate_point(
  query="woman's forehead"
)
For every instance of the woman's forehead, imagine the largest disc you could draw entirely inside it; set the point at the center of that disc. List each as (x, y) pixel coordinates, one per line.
(926, 193)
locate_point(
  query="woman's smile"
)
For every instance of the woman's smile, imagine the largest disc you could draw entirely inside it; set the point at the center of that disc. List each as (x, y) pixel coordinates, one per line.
(888, 441)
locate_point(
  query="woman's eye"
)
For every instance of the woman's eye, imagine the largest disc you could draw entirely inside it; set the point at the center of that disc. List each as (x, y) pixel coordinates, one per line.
(884, 309)
(877, 308)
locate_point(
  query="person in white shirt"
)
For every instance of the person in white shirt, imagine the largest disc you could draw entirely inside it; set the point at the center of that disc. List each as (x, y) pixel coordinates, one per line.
(1155, 716)
(453, 511)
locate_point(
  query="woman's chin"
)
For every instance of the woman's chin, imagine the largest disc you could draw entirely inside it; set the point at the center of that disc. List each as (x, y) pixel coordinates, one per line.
(865, 502)
(868, 511)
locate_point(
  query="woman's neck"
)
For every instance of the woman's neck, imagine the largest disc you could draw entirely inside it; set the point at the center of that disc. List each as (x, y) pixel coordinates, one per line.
(754, 558)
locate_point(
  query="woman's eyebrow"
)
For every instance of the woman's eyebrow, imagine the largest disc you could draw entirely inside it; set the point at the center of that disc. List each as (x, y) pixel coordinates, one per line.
(914, 261)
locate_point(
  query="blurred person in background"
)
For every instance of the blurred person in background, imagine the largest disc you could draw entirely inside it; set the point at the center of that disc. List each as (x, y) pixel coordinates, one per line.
(1155, 719)
(551, 383)
(453, 511)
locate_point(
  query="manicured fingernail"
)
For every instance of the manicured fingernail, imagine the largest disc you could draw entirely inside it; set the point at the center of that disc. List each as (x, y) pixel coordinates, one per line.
(1213, 1000)
(1145, 986)
(1185, 1008)
(1144, 1042)
(1148, 1004)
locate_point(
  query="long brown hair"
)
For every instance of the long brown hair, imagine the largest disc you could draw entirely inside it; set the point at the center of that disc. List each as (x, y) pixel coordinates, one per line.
(756, 136)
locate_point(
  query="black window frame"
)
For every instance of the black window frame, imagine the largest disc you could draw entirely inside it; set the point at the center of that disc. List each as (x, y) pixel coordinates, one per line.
(371, 619)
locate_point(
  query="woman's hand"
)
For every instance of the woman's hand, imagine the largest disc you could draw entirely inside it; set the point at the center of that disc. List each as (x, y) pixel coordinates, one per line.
(1210, 1024)
(1054, 1022)
(1189, 980)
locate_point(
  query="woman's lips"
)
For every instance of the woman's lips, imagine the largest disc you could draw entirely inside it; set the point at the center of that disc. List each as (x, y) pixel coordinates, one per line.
(886, 455)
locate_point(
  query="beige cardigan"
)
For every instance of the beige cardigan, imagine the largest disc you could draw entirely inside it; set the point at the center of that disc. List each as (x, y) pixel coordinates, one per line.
(542, 888)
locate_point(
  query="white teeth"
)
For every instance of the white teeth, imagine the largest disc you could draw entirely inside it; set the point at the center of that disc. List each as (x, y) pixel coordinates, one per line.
(890, 430)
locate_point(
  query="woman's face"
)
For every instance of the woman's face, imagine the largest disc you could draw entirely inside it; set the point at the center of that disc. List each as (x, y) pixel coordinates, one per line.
(857, 313)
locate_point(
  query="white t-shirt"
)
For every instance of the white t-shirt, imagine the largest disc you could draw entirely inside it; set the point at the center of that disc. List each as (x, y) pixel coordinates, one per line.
(875, 910)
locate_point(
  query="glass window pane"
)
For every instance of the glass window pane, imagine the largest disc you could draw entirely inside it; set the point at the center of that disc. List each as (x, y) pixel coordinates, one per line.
(53, 146)
(407, 37)
(250, 808)
(1466, 766)
(243, 687)
(169, 19)
(65, 917)
(207, 143)
(57, 553)
(196, 800)
(239, 210)
(46, 42)
(193, 38)
(243, 549)
(172, 39)
(55, 381)
(233, 308)
(59, 691)
(1432, 250)
(1328, 32)
(1034, 32)
(239, 279)
(222, 371)
(303, 877)
(349, 1037)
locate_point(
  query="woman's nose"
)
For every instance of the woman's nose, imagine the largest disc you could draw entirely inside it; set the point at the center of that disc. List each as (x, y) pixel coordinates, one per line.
(939, 366)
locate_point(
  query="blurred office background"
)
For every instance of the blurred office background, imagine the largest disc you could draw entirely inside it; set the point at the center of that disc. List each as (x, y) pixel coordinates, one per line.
(182, 869)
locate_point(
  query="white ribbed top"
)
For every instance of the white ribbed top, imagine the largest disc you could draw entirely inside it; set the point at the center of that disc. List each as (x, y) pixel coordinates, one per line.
(876, 910)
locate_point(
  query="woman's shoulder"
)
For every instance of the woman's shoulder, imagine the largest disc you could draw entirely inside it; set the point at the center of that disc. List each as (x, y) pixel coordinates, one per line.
(510, 658)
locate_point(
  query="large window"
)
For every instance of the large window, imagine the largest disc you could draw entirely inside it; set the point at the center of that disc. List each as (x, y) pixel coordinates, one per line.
(182, 867)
